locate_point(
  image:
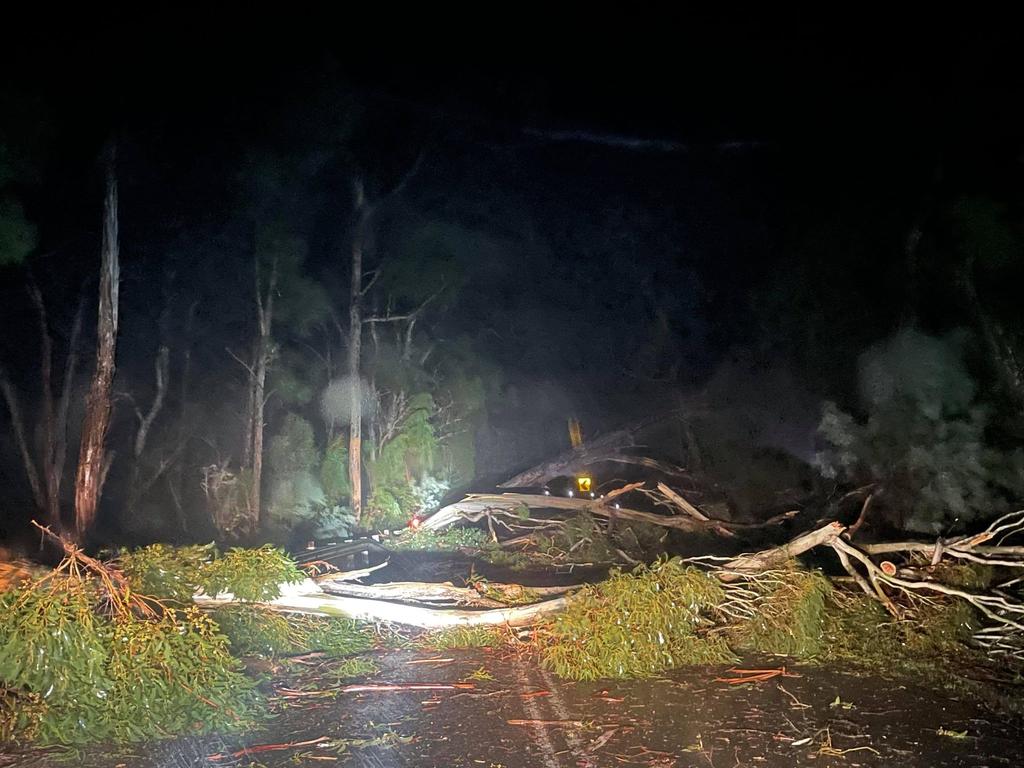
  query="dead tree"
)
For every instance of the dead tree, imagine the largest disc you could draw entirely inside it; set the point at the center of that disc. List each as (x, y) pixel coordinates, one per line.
(93, 459)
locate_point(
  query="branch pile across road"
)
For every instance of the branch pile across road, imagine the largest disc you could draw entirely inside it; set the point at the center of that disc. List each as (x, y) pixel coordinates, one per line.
(436, 606)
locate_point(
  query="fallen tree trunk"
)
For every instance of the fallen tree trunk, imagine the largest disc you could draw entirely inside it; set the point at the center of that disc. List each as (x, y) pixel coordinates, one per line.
(778, 556)
(424, 592)
(570, 461)
(412, 591)
(307, 598)
(476, 506)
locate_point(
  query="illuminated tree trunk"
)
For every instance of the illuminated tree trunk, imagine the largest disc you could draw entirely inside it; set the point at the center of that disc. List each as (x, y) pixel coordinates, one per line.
(93, 460)
(355, 343)
(264, 350)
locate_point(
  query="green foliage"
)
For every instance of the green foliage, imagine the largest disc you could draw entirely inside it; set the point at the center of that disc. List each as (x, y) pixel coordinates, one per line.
(410, 452)
(638, 624)
(582, 539)
(251, 574)
(166, 572)
(858, 630)
(585, 539)
(292, 457)
(963, 574)
(462, 637)
(332, 520)
(292, 448)
(52, 642)
(923, 438)
(334, 470)
(174, 672)
(254, 630)
(177, 573)
(397, 466)
(21, 715)
(449, 540)
(384, 510)
(790, 615)
(79, 673)
(467, 395)
(336, 637)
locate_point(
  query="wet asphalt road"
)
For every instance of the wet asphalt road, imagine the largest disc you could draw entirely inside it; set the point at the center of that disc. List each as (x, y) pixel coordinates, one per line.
(524, 717)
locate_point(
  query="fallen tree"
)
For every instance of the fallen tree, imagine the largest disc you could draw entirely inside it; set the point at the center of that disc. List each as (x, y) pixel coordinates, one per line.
(610, 447)
(510, 506)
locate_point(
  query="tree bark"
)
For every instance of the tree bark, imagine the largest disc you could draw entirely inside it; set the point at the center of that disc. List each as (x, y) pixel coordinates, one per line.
(778, 556)
(93, 460)
(307, 597)
(265, 316)
(355, 343)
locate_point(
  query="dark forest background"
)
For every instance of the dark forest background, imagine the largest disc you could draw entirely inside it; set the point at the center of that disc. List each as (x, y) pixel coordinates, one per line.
(802, 251)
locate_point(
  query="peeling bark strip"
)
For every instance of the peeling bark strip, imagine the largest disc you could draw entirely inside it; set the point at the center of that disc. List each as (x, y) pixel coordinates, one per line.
(93, 461)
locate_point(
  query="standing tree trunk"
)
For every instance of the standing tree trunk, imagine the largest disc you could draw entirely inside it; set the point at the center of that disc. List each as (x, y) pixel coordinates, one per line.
(355, 343)
(93, 460)
(264, 350)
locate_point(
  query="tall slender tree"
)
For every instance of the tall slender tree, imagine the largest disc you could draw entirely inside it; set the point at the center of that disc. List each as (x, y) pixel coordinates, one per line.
(93, 458)
(355, 345)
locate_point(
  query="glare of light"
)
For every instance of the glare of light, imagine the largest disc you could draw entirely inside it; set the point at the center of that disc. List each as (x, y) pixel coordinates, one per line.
(617, 505)
(570, 494)
(547, 492)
